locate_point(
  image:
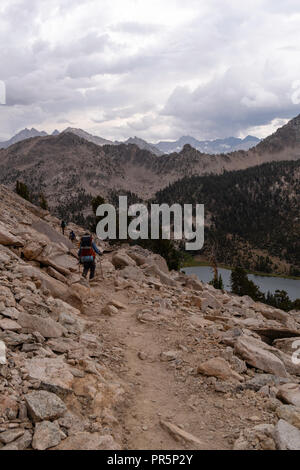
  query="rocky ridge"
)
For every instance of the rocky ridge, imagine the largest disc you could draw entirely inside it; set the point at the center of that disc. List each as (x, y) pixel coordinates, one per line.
(142, 359)
(61, 166)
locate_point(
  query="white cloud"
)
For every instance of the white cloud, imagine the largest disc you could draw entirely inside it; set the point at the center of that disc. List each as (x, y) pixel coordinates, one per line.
(156, 69)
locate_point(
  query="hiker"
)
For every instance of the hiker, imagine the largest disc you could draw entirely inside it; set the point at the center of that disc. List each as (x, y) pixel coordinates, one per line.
(72, 236)
(63, 226)
(87, 254)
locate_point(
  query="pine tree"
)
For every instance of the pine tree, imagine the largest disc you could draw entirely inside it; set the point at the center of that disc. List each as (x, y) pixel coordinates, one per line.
(43, 202)
(23, 191)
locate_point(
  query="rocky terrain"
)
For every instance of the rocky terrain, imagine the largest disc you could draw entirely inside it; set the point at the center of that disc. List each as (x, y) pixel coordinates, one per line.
(143, 358)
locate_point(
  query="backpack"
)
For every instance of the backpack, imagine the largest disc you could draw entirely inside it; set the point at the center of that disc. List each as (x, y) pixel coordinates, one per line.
(86, 251)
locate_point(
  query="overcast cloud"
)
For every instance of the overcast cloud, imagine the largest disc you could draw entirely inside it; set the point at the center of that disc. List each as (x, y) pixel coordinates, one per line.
(156, 69)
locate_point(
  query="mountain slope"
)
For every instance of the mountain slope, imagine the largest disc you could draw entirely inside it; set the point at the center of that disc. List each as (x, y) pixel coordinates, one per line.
(227, 145)
(142, 144)
(89, 137)
(22, 135)
(247, 211)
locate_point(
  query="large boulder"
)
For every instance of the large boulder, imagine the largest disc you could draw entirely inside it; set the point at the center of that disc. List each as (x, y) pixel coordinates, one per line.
(276, 332)
(259, 355)
(32, 250)
(218, 367)
(88, 441)
(43, 405)
(286, 436)
(164, 278)
(21, 443)
(288, 345)
(54, 374)
(133, 273)
(56, 288)
(209, 300)
(45, 326)
(11, 435)
(2, 353)
(121, 260)
(272, 313)
(289, 393)
(291, 366)
(139, 258)
(261, 437)
(194, 284)
(46, 435)
(289, 413)
(158, 261)
(7, 238)
(10, 325)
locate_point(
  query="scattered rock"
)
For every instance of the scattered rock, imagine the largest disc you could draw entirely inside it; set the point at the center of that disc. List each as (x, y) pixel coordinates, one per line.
(289, 413)
(88, 441)
(7, 239)
(286, 436)
(180, 434)
(169, 356)
(121, 260)
(22, 443)
(11, 435)
(11, 325)
(261, 437)
(54, 374)
(259, 355)
(45, 326)
(44, 405)
(289, 393)
(218, 367)
(109, 310)
(2, 353)
(46, 435)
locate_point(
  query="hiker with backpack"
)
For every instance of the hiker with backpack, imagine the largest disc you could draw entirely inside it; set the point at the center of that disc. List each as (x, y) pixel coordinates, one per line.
(72, 236)
(63, 226)
(87, 254)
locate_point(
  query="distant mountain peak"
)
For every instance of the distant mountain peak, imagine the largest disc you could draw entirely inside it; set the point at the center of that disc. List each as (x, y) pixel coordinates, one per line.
(217, 146)
(142, 144)
(85, 135)
(23, 135)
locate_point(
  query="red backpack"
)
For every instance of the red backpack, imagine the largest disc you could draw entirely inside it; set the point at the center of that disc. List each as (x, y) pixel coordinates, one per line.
(86, 247)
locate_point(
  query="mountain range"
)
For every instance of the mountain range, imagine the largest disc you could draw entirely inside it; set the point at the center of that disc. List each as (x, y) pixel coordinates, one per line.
(66, 162)
(227, 145)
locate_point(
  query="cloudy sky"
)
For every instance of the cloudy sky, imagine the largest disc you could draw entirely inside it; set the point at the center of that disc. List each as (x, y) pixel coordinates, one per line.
(156, 69)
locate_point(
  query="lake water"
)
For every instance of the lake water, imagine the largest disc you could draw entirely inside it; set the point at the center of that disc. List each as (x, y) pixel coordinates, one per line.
(265, 283)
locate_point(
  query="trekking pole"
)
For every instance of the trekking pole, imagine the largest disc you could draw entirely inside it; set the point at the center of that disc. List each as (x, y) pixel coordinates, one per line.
(101, 268)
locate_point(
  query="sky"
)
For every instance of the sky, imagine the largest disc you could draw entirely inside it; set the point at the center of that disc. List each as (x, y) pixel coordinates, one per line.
(153, 69)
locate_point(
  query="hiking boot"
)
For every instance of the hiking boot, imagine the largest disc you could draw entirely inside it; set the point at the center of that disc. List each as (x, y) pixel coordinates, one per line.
(96, 279)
